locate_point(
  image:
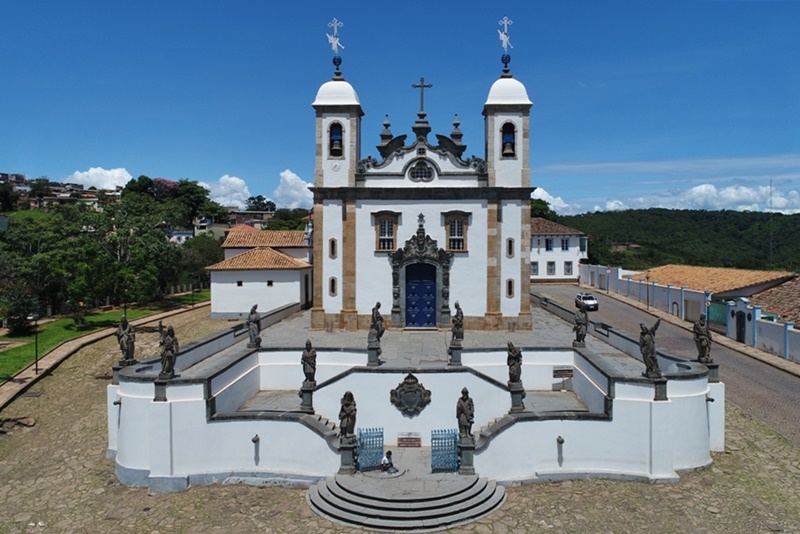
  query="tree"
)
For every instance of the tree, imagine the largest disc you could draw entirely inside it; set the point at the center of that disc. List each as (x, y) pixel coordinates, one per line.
(541, 208)
(8, 197)
(259, 203)
(288, 219)
(198, 253)
(40, 187)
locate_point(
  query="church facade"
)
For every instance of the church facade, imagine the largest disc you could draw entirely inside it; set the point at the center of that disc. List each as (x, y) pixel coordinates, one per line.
(420, 226)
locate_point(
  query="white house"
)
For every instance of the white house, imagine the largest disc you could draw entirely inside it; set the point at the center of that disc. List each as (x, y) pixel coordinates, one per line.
(420, 227)
(556, 251)
(262, 276)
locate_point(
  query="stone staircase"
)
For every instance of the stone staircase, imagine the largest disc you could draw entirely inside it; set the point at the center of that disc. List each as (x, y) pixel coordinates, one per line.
(393, 504)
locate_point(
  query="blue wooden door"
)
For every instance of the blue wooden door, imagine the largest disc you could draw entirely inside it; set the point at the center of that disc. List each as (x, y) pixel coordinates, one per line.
(421, 295)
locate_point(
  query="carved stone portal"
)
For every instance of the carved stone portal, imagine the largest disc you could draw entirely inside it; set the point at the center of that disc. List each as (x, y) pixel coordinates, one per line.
(421, 248)
(410, 397)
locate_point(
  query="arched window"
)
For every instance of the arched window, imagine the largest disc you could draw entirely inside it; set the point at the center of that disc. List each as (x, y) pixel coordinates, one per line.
(510, 288)
(332, 286)
(510, 247)
(335, 140)
(332, 248)
(509, 140)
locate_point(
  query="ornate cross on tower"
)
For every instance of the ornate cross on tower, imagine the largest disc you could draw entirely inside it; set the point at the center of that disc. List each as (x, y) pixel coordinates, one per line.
(334, 39)
(505, 22)
(421, 86)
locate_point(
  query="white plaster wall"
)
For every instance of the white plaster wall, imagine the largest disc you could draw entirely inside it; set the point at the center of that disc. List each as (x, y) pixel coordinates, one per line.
(542, 256)
(113, 413)
(467, 272)
(394, 173)
(227, 297)
(689, 424)
(371, 392)
(336, 170)
(508, 171)
(510, 267)
(331, 267)
(537, 368)
(716, 416)
(794, 345)
(603, 447)
(771, 337)
(282, 370)
(236, 384)
(134, 424)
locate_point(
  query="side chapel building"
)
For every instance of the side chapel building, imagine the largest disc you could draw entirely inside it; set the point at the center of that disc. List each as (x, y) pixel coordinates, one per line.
(420, 226)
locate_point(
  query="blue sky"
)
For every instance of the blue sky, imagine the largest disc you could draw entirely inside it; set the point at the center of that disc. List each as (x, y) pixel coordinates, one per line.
(636, 104)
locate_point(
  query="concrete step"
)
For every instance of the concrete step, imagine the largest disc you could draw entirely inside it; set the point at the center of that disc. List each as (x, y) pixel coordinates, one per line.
(391, 508)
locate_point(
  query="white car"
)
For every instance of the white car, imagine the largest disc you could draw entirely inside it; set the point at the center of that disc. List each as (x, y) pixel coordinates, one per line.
(588, 300)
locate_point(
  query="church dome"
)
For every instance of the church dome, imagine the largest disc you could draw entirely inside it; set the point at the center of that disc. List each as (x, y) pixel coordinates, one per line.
(336, 93)
(507, 91)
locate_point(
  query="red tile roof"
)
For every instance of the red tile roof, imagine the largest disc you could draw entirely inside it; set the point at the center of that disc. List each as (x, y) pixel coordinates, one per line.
(265, 238)
(243, 228)
(259, 259)
(714, 279)
(541, 226)
(783, 300)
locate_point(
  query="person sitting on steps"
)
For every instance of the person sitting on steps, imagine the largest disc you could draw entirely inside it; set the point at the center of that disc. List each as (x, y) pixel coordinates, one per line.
(386, 463)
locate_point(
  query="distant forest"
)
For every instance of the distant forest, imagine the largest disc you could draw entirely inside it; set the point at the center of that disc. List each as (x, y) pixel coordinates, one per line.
(744, 240)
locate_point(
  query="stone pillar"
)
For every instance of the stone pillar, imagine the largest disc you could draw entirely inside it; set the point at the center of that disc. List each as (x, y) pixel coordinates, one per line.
(160, 390)
(494, 249)
(373, 350)
(115, 374)
(349, 312)
(661, 389)
(347, 453)
(466, 453)
(307, 396)
(517, 395)
(455, 352)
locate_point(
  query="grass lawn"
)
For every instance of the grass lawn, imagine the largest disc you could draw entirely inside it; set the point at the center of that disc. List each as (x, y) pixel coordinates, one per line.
(54, 332)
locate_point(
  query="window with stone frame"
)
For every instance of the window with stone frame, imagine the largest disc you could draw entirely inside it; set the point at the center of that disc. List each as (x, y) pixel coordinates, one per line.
(567, 268)
(456, 225)
(551, 268)
(548, 244)
(386, 231)
(535, 268)
(565, 244)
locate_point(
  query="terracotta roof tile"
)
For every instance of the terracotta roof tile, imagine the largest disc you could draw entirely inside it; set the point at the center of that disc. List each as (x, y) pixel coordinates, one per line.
(541, 226)
(243, 228)
(265, 238)
(783, 300)
(260, 258)
(714, 279)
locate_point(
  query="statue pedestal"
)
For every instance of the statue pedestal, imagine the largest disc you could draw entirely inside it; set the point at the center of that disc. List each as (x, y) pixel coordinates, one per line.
(713, 370)
(579, 344)
(466, 453)
(160, 390)
(660, 384)
(307, 396)
(517, 394)
(455, 352)
(347, 453)
(115, 375)
(373, 354)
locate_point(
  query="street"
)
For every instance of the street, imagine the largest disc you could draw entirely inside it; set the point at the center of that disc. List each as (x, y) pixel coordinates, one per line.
(761, 391)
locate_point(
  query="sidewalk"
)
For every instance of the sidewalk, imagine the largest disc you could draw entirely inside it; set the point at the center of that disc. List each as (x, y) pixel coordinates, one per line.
(23, 380)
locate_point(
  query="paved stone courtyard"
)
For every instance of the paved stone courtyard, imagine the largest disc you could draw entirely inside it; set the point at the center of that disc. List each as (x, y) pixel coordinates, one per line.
(54, 477)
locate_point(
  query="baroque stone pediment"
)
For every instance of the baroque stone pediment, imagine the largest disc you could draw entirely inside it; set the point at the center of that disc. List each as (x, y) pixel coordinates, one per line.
(410, 396)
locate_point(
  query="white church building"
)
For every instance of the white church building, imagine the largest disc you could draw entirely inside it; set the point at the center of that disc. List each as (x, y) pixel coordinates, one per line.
(419, 227)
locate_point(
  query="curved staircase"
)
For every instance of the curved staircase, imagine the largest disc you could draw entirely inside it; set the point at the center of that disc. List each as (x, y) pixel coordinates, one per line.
(413, 504)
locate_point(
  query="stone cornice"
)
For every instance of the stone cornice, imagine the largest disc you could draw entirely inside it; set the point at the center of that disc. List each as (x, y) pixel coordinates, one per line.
(422, 193)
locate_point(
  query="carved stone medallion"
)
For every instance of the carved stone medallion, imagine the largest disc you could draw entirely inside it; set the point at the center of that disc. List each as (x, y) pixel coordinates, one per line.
(410, 397)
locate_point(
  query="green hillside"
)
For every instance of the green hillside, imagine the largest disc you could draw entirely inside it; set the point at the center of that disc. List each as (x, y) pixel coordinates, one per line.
(746, 240)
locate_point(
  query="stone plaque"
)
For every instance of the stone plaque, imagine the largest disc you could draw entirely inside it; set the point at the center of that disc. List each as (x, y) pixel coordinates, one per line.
(410, 397)
(409, 439)
(562, 373)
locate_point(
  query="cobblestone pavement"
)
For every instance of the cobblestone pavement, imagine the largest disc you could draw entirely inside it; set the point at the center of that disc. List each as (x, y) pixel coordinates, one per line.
(54, 477)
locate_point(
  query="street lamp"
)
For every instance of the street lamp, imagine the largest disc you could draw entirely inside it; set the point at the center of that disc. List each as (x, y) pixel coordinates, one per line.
(648, 290)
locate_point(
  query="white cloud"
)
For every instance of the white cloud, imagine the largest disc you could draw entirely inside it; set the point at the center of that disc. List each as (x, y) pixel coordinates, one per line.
(100, 177)
(613, 205)
(557, 204)
(229, 191)
(293, 192)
